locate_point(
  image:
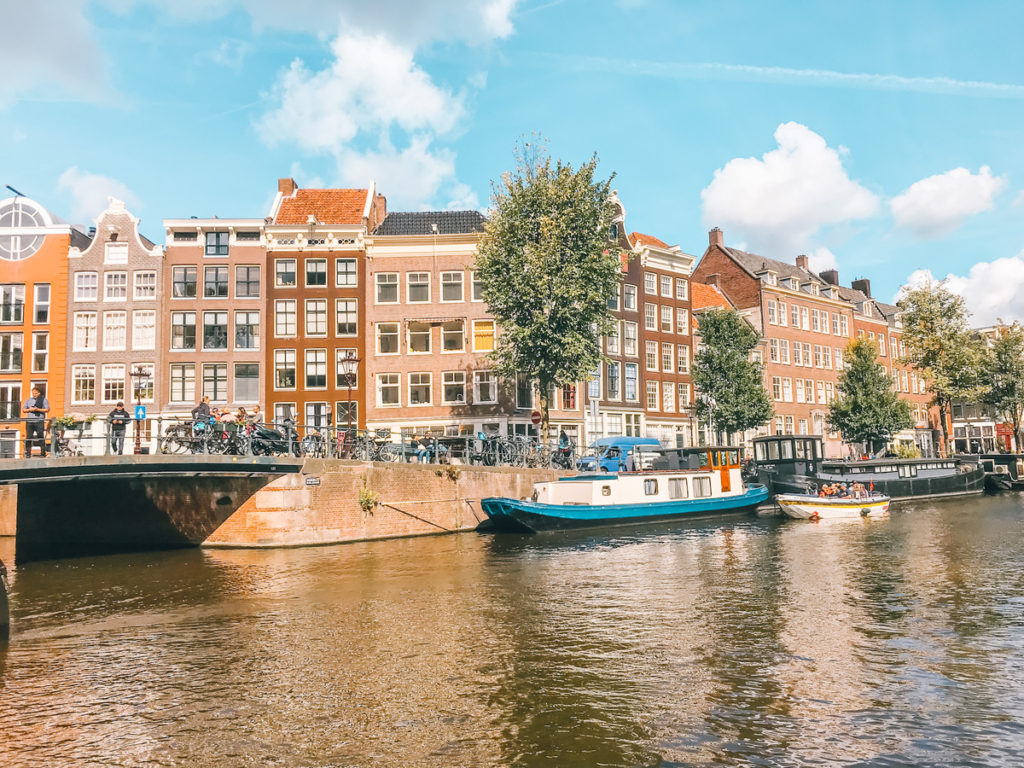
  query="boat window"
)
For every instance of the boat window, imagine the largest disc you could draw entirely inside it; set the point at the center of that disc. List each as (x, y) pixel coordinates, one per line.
(801, 449)
(759, 452)
(651, 487)
(988, 465)
(678, 488)
(701, 487)
(773, 450)
(908, 470)
(817, 448)
(705, 459)
(606, 490)
(787, 449)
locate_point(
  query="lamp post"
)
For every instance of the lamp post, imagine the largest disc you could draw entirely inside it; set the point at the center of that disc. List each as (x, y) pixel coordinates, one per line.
(349, 366)
(139, 379)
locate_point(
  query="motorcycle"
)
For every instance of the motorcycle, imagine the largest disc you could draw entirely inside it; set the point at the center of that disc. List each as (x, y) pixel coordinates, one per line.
(270, 442)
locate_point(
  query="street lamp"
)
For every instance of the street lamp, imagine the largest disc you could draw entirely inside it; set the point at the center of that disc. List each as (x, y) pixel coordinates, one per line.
(140, 378)
(349, 366)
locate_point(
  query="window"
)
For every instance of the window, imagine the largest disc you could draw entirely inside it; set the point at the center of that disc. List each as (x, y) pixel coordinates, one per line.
(316, 369)
(668, 398)
(789, 425)
(650, 283)
(419, 388)
(701, 487)
(316, 273)
(815, 320)
(115, 286)
(818, 362)
(183, 330)
(476, 287)
(650, 487)
(40, 352)
(252, 236)
(651, 357)
(784, 351)
(186, 236)
(483, 335)
(651, 317)
(418, 287)
(632, 381)
(419, 337)
(284, 273)
(285, 318)
(802, 426)
(826, 355)
(666, 319)
(798, 355)
(115, 253)
(612, 340)
(485, 389)
(215, 330)
(215, 282)
(247, 383)
(145, 285)
(776, 387)
(115, 330)
(782, 313)
(666, 286)
(143, 388)
(594, 384)
(678, 488)
(346, 317)
(85, 332)
(773, 317)
(629, 297)
(613, 381)
(820, 387)
(787, 389)
(805, 322)
(837, 354)
(183, 383)
(86, 286)
(881, 344)
(144, 329)
(387, 389)
(215, 382)
(668, 358)
(844, 327)
(345, 275)
(569, 397)
(387, 287)
(83, 384)
(682, 321)
(342, 379)
(799, 385)
(284, 369)
(835, 323)
(773, 350)
(283, 412)
(682, 289)
(216, 244)
(524, 391)
(778, 426)
(451, 286)
(183, 282)
(247, 282)
(316, 317)
(683, 358)
(113, 383)
(809, 390)
(316, 414)
(387, 338)
(794, 315)
(629, 335)
(41, 304)
(652, 395)
(454, 387)
(828, 391)
(453, 337)
(247, 330)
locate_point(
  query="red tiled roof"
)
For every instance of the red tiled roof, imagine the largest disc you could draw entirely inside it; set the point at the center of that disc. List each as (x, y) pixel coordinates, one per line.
(704, 296)
(637, 239)
(329, 206)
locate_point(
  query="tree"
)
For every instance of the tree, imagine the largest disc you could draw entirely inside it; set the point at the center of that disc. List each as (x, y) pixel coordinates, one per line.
(730, 387)
(865, 409)
(1004, 373)
(548, 270)
(940, 344)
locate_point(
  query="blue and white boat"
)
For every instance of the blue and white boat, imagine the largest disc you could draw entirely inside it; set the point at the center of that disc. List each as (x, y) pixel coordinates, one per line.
(681, 484)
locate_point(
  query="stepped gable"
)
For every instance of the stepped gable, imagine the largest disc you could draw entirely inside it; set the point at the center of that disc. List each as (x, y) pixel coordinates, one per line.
(419, 223)
(639, 239)
(327, 206)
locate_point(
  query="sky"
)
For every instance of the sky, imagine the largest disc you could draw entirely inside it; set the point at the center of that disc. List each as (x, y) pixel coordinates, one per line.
(882, 139)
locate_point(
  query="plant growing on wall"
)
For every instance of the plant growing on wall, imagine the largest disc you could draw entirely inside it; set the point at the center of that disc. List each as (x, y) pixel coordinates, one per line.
(368, 499)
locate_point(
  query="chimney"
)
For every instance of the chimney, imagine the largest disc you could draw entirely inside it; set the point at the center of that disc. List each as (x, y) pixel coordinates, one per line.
(380, 209)
(287, 187)
(713, 279)
(715, 237)
(92, 231)
(863, 285)
(830, 276)
(801, 262)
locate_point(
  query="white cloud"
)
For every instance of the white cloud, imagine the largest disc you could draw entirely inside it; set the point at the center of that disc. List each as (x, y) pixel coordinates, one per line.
(89, 193)
(821, 259)
(993, 290)
(1018, 201)
(939, 204)
(781, 201)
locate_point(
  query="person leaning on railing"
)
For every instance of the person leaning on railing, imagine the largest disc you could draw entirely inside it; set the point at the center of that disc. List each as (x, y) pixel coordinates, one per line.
(35, 409)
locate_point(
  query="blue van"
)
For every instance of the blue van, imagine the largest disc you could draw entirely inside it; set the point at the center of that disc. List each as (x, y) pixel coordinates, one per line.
(609, 454)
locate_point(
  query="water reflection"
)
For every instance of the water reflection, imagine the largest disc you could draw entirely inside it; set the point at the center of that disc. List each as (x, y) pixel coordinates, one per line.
(753, 641)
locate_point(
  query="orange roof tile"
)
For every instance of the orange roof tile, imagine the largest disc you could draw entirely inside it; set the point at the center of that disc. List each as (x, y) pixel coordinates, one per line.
(703, 296)
(329, 206)
(637, 239)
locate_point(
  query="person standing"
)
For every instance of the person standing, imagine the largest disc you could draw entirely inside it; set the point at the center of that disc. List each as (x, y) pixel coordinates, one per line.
(35, 409)
(118, 419)
(256, 417)
(202, 411)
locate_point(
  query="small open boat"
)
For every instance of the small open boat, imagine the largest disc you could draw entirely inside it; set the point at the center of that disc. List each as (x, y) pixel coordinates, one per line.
(807, 507)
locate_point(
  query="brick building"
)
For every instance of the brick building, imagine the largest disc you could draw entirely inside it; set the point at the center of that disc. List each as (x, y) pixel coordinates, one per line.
(316, 302)
(34, 250)
(114, 298)
(212, 309)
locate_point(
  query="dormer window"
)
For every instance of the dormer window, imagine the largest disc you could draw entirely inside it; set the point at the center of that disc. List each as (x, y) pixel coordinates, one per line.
(794, 283)
(769, 277)
(815, 289)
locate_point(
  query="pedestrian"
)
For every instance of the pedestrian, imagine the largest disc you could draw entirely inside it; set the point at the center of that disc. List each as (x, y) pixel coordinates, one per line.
(118, 420)
(202, 411)
(35, 409)
(422, 448)
(256, 417)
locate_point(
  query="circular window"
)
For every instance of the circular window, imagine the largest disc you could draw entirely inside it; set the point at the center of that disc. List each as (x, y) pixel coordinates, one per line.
(17, 220)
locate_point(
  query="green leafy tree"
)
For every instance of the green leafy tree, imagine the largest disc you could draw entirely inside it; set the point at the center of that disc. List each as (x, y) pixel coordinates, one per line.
(1004, 374)
(939, 342)
(548, 270)
(730, 386)
(865, 409)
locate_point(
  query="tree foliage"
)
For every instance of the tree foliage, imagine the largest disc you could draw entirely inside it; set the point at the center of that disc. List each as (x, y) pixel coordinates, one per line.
(548, 269)
(729, 385)
(939, 342)
(1004, 374)
(866, 409)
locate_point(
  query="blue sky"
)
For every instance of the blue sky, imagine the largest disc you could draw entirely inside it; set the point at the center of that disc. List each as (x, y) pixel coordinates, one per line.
(885, 138)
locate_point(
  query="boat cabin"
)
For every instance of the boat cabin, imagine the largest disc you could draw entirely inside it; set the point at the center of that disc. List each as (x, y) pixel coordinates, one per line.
(885, 469)
(788, 454)
(1009, 464)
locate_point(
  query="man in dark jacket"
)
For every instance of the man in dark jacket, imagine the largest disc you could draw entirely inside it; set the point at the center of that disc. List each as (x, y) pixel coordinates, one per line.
(118, 419)
(35, 409)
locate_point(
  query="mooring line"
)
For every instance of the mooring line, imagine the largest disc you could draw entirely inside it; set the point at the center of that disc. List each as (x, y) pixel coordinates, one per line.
(416, 517)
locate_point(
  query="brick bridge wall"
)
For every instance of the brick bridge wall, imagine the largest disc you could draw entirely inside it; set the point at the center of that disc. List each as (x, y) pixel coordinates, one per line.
(321, 505)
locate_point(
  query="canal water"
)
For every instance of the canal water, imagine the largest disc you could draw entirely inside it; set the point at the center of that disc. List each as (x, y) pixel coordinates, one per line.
(888, 642)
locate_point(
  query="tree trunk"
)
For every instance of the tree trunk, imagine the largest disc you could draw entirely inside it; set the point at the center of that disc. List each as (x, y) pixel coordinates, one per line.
(945, 432)
(545, 409)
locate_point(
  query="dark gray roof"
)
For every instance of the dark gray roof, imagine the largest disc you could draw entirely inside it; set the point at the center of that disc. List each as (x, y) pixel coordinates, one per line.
(889, 310)
(754, 264)
(419, 223)
(79, 239)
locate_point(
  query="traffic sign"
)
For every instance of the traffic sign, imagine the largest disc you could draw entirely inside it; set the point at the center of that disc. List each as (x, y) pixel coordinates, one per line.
(140, 412)
(535, 417)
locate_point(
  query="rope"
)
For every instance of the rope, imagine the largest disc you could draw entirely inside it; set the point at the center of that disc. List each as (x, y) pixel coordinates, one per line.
(470, 503)
(416, 517)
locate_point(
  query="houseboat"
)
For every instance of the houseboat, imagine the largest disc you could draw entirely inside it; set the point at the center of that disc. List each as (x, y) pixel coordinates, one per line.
(1003, 471)
(682, 483)
(794, 464)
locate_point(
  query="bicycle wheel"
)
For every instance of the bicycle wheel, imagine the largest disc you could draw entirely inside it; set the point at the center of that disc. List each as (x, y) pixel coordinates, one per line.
(388, 452)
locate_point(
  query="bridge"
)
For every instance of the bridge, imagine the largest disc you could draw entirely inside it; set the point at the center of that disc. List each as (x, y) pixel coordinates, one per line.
(101, 505)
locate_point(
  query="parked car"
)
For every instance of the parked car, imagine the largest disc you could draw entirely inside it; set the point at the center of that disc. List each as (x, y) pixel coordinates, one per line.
(610, 454)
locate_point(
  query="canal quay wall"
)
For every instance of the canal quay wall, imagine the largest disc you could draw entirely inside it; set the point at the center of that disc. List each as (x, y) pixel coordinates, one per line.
(334, 501)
